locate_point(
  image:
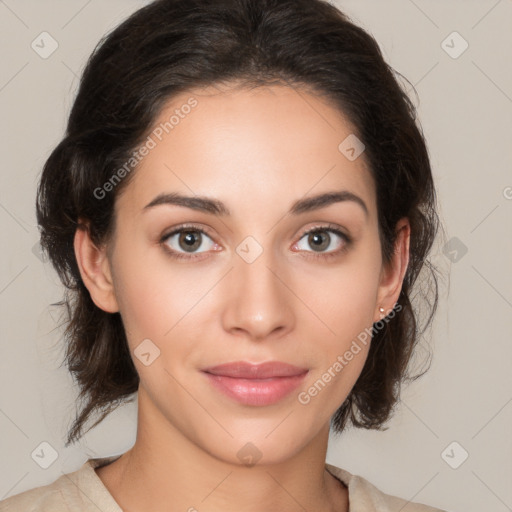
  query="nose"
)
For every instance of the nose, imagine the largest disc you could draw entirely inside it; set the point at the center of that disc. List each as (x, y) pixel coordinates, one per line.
(258, 303)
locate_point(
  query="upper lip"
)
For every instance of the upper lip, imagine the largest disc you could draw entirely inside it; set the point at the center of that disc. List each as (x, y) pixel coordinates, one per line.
(246, 370)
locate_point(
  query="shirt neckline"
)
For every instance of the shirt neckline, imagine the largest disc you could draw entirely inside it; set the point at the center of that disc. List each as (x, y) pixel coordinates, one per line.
(93, 481)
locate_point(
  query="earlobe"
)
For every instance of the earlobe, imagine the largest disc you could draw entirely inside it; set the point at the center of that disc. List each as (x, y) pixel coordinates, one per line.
(393, 274)
(95, 270)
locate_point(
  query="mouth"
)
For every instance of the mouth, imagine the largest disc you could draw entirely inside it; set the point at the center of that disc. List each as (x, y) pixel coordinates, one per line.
(256, 384)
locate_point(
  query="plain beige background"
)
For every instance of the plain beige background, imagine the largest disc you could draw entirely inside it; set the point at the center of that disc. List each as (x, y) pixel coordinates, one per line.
(461, 407)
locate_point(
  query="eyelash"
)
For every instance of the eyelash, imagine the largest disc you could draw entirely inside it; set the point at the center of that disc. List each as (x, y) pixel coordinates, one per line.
(332, 228)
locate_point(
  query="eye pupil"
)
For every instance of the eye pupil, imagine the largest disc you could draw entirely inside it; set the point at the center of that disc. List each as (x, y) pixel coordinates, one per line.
(317, 237)
(188, 238)
(191, 239)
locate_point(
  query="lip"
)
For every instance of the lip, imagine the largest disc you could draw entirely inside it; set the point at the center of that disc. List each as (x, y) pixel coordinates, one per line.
(256, 384)
(246, 370)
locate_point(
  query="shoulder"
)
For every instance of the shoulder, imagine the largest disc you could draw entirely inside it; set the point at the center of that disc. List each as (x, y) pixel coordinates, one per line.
(364, 496)
(40, 499)
(78, 491)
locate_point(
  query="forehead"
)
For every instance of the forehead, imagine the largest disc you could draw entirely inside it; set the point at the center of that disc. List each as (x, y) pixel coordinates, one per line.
(268, 145)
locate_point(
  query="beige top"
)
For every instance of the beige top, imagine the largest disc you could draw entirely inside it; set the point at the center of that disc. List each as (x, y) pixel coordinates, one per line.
(83, 491)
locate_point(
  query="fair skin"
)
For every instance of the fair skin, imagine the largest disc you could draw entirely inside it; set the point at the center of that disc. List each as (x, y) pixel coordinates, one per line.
(258, 151)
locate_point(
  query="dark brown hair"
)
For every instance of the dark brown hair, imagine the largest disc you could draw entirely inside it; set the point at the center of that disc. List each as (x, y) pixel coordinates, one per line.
(171, 46)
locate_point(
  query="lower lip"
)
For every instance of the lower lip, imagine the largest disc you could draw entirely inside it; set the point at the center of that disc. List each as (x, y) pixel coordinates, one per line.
(256, 391)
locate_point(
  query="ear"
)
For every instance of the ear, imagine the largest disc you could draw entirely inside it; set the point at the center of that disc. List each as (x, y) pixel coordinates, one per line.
(392, 274)
(95, 269)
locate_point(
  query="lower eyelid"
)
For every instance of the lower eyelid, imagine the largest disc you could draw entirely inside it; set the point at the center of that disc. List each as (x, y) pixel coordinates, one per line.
(346, 241)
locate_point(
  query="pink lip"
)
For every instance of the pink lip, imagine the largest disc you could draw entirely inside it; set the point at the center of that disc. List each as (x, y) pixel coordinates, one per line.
(261, 384)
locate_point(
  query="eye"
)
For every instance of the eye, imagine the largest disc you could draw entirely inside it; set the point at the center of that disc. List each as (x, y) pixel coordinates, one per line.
(323, 242)
(185, 240)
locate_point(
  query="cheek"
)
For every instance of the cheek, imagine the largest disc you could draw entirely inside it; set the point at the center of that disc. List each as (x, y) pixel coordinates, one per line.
(158, 299)
(149, 296)
(155, 294)
(342, 297)
(341, 348)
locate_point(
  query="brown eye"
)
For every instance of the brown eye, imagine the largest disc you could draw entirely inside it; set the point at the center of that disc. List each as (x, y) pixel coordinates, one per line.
(187, 240)
(321, 239)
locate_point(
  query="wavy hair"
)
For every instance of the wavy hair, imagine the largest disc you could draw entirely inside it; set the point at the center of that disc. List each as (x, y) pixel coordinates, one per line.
(171, 46)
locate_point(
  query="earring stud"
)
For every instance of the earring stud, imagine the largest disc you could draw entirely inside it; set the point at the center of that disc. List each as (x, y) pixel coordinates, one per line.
(381, 309)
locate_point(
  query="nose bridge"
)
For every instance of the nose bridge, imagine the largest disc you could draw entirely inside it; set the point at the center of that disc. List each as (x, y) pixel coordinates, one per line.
(258, 302)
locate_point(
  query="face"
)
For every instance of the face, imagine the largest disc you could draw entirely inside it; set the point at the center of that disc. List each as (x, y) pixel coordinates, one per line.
(263, 278)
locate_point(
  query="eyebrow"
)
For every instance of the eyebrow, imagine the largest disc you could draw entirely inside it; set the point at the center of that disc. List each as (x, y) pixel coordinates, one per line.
(216, 207)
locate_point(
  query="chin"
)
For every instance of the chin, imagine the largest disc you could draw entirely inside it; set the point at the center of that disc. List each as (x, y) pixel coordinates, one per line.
(257, 443)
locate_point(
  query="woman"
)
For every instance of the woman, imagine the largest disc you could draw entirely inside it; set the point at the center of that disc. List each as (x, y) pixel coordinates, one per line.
(239, 210)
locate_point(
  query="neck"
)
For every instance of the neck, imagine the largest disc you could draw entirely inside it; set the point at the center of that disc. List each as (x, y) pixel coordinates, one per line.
(166, 471)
